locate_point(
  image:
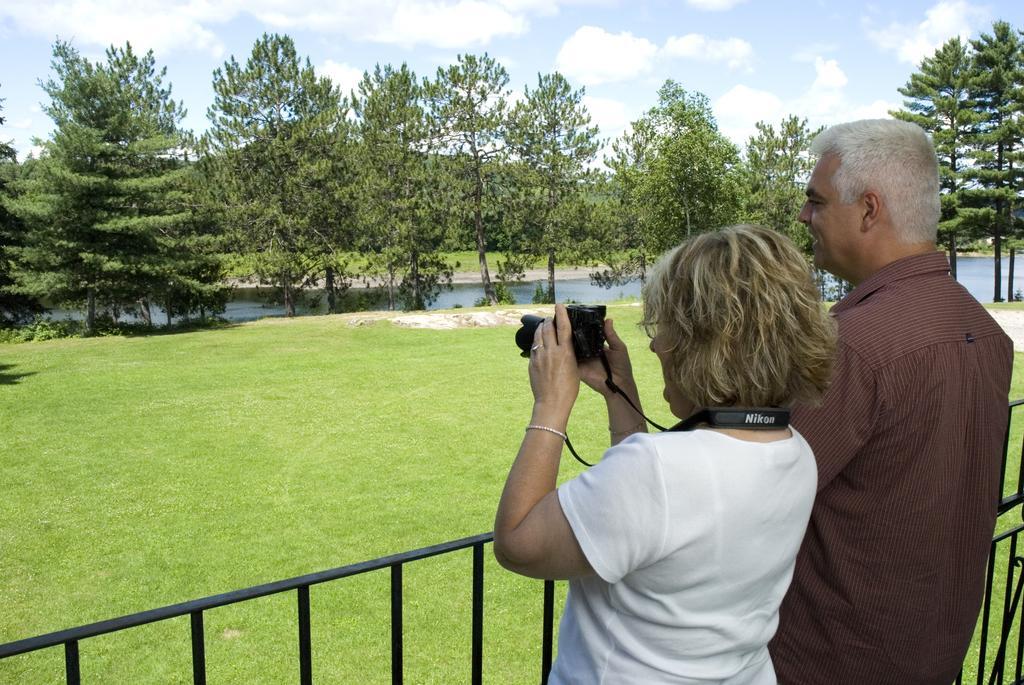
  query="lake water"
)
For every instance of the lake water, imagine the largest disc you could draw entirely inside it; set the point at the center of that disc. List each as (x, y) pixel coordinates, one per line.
(249, 304)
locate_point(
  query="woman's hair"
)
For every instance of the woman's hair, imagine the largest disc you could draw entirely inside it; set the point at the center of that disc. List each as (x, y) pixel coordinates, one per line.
(894, 158)
(742, 320)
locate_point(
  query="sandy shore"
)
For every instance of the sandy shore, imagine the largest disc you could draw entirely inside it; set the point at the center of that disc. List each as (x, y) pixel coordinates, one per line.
(1011, 321)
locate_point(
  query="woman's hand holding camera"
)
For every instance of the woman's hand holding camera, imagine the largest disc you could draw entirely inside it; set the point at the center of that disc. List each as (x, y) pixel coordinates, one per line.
(593, 373)
(554, 374)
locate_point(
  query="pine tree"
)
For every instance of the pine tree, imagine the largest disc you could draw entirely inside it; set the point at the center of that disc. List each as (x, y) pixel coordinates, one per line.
(778, 166)
(468, 105)
(554, 143)
(400, 228)
(107, 197)
(275, 156)
(14, 308)
(938, 100)
(993, 181)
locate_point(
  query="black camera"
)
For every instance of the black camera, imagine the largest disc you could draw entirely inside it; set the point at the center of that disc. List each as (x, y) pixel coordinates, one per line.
(587, 322)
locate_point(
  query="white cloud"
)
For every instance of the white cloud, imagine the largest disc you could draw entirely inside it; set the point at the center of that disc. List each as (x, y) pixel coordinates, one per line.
(823, 103)
(22, 124)
(741, 107)
(592, 56)
(879, 109)
(714, 5)
(447, 25)
(147, 24)
(942, 21)
(828, 75)
(736, 53)
(165, 25)
(610, 116)
(346, 77)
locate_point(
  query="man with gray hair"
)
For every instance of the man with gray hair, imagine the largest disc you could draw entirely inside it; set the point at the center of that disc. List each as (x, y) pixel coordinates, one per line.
(909, 436)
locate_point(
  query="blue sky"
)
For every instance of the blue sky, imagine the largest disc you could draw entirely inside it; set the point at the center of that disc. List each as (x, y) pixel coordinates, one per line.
(826, 60)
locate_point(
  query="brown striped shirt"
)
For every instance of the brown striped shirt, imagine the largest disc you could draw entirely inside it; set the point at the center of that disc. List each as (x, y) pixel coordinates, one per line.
(908, 440)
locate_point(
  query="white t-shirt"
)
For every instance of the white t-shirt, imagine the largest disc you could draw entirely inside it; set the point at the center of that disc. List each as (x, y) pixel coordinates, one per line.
(693, 536)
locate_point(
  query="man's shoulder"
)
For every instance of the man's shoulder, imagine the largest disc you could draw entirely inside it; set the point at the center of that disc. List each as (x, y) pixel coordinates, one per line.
(904, 317)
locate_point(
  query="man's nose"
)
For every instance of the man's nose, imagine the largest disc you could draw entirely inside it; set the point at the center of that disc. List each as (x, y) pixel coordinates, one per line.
(805, 215)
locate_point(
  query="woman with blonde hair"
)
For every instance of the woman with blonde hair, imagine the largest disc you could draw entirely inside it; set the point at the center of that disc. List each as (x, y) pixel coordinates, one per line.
(680, 545)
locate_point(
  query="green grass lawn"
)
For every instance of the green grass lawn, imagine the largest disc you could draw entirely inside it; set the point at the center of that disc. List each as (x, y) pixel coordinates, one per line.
(140, 472)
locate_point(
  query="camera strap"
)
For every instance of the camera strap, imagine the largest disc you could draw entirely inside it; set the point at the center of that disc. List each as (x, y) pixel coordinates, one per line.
(757, 418)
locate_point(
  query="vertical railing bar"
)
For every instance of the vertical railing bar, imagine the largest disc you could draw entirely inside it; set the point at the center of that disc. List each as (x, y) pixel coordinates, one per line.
(396, 624)
(305, 641)
(986, 613)
(548, 639)
(1020, 646)
(198, 649)
(1020, 465)
(478, 615)
(1008, 600)
(1000, 666)
(1006, 460)
(71, 668)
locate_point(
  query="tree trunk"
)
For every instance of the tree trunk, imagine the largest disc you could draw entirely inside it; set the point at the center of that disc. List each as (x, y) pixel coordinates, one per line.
(147, 316)
(332, 301)
(998, 274)
(551, 276)
(414, 278)
(952, 255)
(167, 311)
(481, 247)
(998, 234)
(391, 287)
(90, 312)
(289, 295)
(1009, 278)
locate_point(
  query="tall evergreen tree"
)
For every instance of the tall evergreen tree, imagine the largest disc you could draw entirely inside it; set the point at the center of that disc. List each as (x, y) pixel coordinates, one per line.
(14, 308)
(468, 105)
(994, 180)
(554, 142)
(401, 233)
(103, 205)
(938, 100)
(778, 165)
(276, 149)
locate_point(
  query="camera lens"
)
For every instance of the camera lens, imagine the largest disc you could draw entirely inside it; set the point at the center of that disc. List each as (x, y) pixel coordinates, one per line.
(525, 335)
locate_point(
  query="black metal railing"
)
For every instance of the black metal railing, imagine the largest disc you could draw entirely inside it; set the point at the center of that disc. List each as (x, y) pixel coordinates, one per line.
(301, 584)
(1002, 614)
(1001, 611)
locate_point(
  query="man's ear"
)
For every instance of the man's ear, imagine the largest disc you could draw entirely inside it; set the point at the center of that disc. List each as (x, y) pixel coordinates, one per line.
(871, 206)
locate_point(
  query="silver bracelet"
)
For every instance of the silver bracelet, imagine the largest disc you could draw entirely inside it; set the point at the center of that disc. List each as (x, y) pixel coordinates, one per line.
(559, 433)
(628, 431)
